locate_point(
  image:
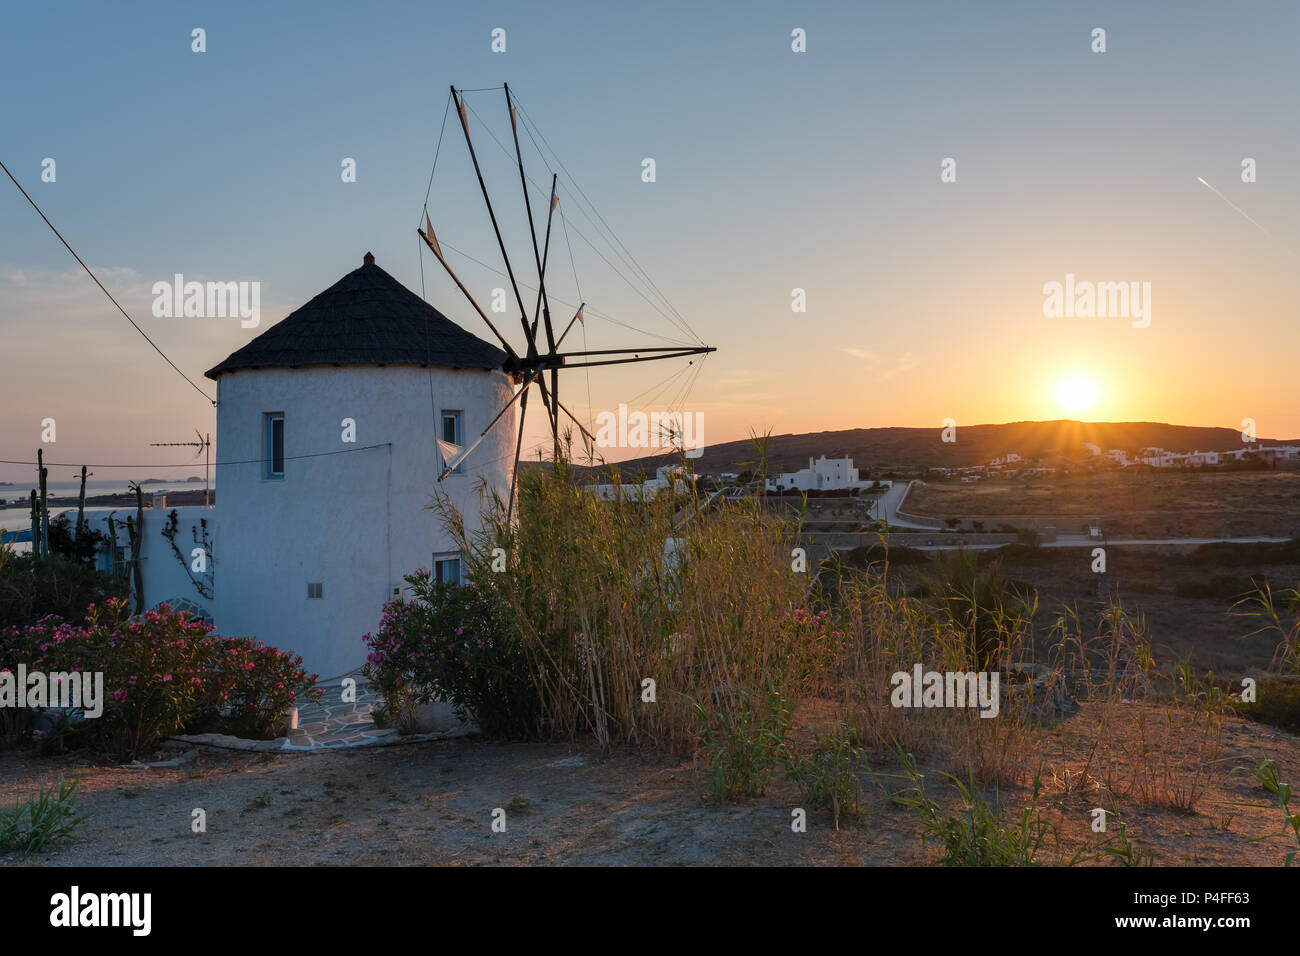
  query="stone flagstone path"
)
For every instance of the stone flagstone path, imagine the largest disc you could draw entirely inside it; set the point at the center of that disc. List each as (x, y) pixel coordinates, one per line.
(330, 725)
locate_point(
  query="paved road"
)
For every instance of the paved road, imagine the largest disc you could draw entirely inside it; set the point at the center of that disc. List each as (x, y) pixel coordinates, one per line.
(1083, 541)
(889, 503)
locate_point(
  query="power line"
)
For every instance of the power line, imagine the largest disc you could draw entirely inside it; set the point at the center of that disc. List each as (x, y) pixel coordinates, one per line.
(188, 464)
(101, 286)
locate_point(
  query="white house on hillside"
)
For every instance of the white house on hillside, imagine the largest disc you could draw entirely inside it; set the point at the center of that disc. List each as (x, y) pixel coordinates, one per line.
(327, 462)
(824, 474)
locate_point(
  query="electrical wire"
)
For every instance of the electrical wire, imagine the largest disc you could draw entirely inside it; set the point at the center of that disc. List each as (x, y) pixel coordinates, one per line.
(188, 464)
(102, 289)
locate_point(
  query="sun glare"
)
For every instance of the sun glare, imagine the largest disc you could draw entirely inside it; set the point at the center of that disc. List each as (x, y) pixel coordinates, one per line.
(1077, 393)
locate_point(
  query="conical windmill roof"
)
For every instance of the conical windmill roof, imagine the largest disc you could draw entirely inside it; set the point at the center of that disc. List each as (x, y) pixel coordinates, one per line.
(366, 318)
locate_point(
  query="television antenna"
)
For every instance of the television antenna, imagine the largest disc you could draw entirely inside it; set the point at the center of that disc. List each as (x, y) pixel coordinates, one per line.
(204, 445)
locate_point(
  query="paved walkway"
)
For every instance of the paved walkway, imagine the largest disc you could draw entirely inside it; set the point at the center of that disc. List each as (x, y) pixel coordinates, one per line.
(330, 725)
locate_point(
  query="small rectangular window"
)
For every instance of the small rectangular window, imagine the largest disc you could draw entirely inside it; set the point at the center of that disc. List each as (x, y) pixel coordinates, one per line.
(446, 568)
(315, 589)
(274, 444)
(452, 432)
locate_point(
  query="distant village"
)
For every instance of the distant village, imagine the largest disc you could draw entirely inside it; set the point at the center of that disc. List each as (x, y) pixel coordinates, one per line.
(1013, 465)
(838, 476)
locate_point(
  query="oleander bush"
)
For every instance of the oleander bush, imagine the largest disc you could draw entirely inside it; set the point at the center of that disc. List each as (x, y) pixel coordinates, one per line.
(164, 673)
(454, 644)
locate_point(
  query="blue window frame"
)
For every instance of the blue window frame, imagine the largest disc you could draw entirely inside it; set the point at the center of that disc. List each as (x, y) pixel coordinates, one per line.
(446, 568)
(274, 441)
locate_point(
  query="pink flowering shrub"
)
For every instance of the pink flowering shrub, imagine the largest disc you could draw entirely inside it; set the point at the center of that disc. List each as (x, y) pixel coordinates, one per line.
(165, 673)
(454, 644)
(250, 685)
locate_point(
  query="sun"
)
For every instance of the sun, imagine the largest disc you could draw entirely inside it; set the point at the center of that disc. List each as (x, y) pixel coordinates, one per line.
(1076, 393)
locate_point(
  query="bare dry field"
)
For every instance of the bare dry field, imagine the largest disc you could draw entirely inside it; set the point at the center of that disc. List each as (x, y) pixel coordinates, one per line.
(431, 804)
(1147, 504)
(1205, 628)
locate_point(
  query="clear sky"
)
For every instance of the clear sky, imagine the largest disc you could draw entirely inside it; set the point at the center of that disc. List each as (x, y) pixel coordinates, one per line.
(775, 170)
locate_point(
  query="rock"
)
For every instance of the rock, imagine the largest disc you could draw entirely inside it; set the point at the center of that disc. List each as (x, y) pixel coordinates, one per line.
(1037, 690)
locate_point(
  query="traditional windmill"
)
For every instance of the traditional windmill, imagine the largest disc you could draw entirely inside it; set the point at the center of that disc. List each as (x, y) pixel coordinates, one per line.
(531, 366)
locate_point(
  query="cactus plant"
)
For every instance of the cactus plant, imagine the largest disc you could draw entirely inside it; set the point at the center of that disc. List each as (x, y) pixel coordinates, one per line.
(135, 532)
(45, 503)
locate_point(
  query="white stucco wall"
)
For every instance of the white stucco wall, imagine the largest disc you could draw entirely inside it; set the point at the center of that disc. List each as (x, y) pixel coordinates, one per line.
(166, 580)
(356, 522)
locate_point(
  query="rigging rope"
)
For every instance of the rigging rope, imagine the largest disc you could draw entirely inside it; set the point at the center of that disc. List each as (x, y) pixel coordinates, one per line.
(528, 121)
(679, 325)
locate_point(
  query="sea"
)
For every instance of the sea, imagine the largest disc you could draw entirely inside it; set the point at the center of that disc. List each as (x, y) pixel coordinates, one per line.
(18, 494)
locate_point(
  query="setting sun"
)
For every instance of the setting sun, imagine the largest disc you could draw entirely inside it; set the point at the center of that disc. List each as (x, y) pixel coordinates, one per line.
(1076, 393)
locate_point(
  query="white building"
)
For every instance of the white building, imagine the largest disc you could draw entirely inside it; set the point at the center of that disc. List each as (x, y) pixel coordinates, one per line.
(824, 474)
(667, 476)
(327, 463)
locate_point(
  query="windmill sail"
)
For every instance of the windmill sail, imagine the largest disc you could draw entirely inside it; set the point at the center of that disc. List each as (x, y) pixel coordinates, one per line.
(451, 453)
(541, 357)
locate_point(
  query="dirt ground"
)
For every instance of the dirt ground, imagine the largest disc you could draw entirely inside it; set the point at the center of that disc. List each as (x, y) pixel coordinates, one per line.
(1140, 503)
(432, 804)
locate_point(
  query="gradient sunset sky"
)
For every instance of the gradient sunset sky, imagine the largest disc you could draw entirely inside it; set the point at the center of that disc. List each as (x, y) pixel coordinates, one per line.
(775, 170)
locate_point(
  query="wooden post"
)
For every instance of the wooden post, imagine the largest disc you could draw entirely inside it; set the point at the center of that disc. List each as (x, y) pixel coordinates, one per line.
(81, 504)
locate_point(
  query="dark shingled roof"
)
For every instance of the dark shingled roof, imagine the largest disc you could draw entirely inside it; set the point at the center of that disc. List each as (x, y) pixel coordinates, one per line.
(366, 318)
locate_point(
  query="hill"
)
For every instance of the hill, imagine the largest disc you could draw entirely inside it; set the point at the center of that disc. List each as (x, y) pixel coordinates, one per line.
(880, 450)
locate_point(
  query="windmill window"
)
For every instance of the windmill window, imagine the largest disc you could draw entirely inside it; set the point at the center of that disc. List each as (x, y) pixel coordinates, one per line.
(274, 428)
(315, 589)
(452, 432)
(446, 568)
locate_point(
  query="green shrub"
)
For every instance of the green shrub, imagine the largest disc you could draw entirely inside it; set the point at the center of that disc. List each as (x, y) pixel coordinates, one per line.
(827, 778)
(164, 673)
(45, 820)
(1228, 554)
(1268, 773)
(32, 588)
(83, 548)
(248, 686)
(978, 837)
(455, 644)
(1277, 703)
(742, 748)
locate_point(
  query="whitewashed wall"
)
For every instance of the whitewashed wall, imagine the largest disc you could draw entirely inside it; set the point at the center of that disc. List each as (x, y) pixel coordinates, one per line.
(356, 522)
(165, 578)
